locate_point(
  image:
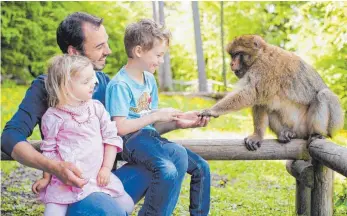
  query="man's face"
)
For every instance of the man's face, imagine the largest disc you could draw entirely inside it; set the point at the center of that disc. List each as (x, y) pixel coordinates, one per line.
(96, 45)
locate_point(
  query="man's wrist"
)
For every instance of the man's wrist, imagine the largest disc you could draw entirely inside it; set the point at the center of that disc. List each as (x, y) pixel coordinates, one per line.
(52, 166)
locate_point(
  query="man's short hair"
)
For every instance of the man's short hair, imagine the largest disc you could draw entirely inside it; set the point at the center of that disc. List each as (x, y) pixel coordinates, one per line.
(70, 32)
(143, 33)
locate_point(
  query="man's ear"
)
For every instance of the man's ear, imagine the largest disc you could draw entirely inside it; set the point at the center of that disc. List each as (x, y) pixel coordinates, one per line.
(72, 50)
(137, 50)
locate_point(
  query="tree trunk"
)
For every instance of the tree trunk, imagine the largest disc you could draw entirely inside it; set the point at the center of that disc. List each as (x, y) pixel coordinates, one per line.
(198, 47)
(222, 43)
(165, 75)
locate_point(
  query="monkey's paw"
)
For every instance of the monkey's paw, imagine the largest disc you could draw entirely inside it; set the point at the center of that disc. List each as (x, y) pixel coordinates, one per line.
(208, 113)
(313, 137)
(253, 142)
(286, 136)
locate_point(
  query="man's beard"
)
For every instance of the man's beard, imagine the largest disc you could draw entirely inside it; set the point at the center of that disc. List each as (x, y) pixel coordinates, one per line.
(95, 67)
(98, 67)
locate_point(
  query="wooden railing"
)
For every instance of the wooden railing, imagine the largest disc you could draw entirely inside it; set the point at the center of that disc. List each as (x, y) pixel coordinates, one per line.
(312, 167)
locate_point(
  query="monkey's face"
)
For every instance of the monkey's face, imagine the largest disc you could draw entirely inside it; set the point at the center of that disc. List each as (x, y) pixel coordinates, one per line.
(237, 65)
(244, 51)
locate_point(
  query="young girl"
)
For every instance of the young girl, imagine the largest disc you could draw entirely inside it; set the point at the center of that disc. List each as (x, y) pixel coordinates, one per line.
(78, 129)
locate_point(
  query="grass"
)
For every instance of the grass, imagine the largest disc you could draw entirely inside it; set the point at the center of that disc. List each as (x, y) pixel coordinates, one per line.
(238, 187)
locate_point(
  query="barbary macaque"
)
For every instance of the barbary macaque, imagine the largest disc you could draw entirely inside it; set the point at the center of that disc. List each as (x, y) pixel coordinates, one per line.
(285, 93)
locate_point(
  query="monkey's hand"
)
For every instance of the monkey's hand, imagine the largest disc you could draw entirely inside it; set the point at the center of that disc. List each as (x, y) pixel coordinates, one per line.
(313, 137)
(253, 142)
(208, 113)
(286, 136)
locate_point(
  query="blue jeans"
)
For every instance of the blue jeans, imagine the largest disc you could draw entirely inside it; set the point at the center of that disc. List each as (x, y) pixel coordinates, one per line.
(168, 163)
(96, 204)
(135, 179)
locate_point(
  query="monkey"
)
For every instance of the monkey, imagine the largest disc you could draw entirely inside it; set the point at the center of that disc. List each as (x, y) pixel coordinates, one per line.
(285, 93)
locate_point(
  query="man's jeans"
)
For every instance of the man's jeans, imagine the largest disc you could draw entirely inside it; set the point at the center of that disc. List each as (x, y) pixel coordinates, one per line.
(168, 163)
(135, 179)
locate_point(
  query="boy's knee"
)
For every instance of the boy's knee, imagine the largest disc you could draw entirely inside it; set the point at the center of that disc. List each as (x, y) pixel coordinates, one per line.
(180, 158)
(166, 171)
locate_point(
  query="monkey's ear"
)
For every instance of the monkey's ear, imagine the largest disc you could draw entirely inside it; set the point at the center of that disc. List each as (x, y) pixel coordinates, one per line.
(257, 42)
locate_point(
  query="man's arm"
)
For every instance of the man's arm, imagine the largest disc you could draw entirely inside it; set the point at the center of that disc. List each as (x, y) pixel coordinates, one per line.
(28, 115)
(165, 127)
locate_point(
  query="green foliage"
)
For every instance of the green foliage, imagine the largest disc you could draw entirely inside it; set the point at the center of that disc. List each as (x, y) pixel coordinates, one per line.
(27, 36)
(340, 197)
(28, 33)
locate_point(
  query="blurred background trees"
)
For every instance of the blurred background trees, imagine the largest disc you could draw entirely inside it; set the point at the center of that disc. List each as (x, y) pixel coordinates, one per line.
(316, 31)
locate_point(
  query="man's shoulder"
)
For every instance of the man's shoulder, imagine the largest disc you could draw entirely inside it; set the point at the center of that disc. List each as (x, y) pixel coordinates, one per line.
(40, 79)
(102, 77)
(38, 84)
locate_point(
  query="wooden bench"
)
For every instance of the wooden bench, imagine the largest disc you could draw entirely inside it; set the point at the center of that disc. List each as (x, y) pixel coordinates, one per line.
(311, 167)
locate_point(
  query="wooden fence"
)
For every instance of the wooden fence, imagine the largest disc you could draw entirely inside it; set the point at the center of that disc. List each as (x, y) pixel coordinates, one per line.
(312, 167)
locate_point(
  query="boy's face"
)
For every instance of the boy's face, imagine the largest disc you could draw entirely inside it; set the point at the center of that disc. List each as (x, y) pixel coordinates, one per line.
(82, 84)
(151, 59)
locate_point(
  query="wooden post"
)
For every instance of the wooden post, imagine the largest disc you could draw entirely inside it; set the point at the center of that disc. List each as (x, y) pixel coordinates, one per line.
(303, 173)
(330, 155)
(322, 193)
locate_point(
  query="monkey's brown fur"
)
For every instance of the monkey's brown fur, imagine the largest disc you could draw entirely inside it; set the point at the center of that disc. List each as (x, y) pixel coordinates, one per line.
(285, 93)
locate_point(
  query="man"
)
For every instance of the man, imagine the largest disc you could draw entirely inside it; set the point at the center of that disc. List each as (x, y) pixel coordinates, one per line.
(77, 34)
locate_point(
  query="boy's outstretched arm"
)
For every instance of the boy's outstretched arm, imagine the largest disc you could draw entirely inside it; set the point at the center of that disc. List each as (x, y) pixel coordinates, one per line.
(188, 119)
(126, 126)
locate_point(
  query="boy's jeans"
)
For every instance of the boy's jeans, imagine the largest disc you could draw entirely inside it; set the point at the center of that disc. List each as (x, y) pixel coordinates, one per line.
(168, 163)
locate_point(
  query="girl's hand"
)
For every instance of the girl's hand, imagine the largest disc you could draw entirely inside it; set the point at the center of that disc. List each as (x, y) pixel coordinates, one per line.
(103, 176)
(39, 185)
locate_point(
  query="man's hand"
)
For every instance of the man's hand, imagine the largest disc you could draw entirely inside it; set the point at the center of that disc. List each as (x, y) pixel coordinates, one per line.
(191, 120)
(69, 174)
(40, 184)
(103, 176)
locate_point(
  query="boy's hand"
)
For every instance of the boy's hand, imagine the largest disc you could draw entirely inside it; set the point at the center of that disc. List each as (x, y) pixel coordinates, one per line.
(39, 185)
(103, 176)
(191, 119)
(167, 114)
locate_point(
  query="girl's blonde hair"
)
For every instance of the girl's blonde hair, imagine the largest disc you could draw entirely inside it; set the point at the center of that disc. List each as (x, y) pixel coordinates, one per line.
(60, 71)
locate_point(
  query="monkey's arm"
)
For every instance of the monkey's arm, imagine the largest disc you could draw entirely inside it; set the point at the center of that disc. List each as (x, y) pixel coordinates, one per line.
(260, 123)
(260, 120)
(234, 101)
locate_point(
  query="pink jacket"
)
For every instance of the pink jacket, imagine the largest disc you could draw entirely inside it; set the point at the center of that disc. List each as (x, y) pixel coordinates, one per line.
(78, 135)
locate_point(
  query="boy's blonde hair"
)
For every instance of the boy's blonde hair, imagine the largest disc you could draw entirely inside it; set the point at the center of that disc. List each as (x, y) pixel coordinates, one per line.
(60, 71)
(143, 33)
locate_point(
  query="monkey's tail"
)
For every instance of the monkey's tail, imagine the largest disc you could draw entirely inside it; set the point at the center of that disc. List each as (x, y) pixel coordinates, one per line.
(336, 115)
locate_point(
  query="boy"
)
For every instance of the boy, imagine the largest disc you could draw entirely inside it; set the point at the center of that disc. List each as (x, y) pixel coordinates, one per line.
(132, 100)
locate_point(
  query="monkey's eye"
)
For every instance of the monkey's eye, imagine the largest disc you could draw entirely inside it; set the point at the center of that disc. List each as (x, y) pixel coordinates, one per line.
(234, 55)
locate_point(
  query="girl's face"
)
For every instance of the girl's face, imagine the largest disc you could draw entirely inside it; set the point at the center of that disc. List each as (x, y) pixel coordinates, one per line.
(81, 86)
